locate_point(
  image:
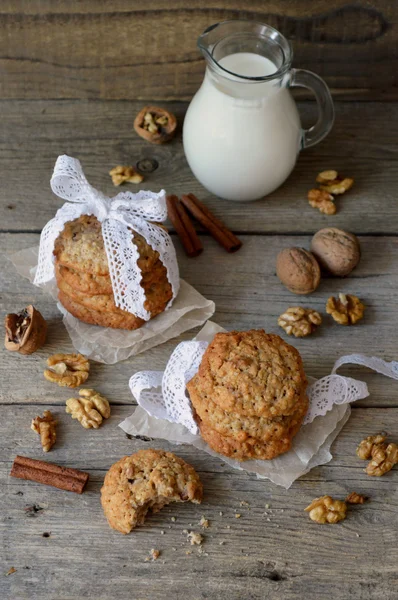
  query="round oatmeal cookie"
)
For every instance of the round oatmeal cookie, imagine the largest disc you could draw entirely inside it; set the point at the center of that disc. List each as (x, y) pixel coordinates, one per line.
(241, 427)
(80, 246)
(92, 285)
(87, 283)
(250, 373)
(251, 448)
(122, 320)
(146, 482)
(157, 294)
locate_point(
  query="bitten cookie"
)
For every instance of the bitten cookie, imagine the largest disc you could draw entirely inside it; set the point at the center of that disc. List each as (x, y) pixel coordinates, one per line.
(146, 481)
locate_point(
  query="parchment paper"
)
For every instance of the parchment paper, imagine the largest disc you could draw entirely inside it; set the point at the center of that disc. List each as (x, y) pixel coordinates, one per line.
(104, 344)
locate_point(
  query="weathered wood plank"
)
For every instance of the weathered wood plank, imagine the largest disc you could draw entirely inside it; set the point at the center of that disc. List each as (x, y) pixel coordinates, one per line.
(247, 294)
(273, 551)
(362, 145)
(126, 50)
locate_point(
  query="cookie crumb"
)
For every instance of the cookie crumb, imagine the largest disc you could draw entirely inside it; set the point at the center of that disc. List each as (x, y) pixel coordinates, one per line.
(228, 526)
(173, 519)
(195, 538)
(221, 513)
(204, 522)
(267, 506)
(153, 555)
(162, 532)
(188, 552)
(11, 571)
(244, 503)
(221, 543)
(238, 516)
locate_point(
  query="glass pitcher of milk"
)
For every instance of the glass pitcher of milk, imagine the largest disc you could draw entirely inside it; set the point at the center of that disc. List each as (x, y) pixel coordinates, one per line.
(242, 131)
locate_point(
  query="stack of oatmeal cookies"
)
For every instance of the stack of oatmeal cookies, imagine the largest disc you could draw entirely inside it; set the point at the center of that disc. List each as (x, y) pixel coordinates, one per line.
(249, 395)
(82, 273)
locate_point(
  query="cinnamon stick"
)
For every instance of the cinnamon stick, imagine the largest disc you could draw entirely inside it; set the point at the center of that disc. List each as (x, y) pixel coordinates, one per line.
(183, 226)
(218, 230)
(40, 471)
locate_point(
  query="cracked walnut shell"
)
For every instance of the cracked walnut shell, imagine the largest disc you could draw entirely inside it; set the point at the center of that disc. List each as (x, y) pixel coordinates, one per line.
(327, 510)
(299, 321)
(67, 370)
(26, 331)
(298, 270)
(121, 174)
(90, 409)
(347, 309)
(45, 427)
(156, 125)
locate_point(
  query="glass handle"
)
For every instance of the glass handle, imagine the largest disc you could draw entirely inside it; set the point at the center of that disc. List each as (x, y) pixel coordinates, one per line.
(307, 79)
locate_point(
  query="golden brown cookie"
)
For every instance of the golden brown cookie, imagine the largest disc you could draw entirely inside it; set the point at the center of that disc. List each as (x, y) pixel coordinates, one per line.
(157, 294)
(241, 427)
(146, 481)
(87, 283)
(122, 320)
(80, 246)
(250, 373)
(91, 284)
(251, 448)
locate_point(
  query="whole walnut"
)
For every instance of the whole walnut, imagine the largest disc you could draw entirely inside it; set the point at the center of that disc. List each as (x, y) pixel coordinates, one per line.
(336, 250)
(298, 270)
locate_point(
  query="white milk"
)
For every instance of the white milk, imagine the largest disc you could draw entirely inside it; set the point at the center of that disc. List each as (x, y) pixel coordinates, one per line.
(241, 139)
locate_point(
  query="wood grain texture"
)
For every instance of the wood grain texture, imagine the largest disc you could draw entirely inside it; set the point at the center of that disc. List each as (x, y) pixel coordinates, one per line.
(247, 294)
(273, 551)
(127, 50)
(361, 145)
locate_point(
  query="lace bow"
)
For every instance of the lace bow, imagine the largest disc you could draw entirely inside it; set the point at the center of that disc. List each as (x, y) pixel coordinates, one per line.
(120, 217)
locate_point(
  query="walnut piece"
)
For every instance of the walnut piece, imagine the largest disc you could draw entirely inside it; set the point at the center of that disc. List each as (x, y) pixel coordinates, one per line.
(327, 510)
(122, 174)
(355, 498)
(327, 176)
(153, 555)
(364, 449)
(322, 200)
(67, 370)
(384, 457)
(346, 309)
(336, 186)
(26, 331)
(299, 321)
(90, 409)
(155, 124)
(298, 270)
(337, 251)
(45, 427)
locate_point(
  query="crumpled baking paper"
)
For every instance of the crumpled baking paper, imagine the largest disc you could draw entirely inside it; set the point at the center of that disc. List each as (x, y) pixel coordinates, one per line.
(104, 344)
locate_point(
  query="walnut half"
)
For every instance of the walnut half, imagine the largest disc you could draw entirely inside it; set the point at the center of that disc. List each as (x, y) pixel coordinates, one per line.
(299, 321)
(45, 427)
(347, 309)
(26, 331)
(122, 174)
(327, 510)
(67, 370)
(90, 409)
(155, 124)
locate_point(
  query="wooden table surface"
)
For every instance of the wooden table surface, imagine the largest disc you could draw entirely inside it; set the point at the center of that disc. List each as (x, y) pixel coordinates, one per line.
(66, 549)
(73, 76)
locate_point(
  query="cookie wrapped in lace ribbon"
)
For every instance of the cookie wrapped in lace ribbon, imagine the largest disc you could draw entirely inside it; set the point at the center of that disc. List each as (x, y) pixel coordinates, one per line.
(102, 243)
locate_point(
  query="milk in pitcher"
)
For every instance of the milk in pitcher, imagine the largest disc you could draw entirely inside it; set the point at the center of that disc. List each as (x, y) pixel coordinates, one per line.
(241, 140)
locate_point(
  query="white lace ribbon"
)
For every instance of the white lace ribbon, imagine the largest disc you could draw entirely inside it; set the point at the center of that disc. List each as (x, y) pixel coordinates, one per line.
(164, 395)
(118, 216)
